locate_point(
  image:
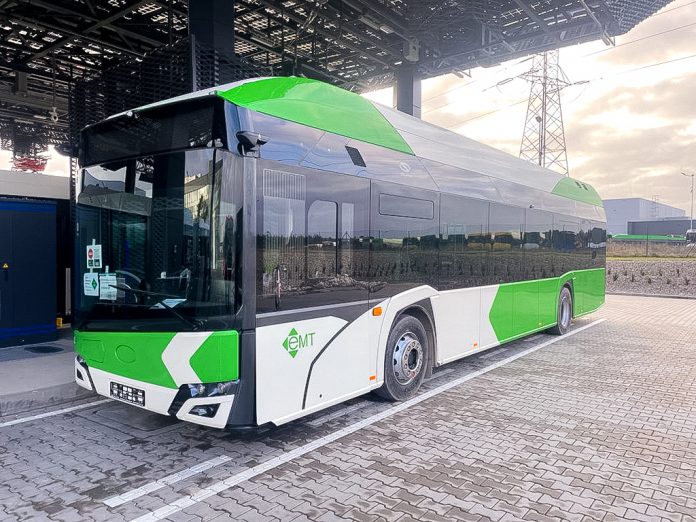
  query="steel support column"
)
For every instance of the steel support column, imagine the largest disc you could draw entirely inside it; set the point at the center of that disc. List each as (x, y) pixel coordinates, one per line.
(407, 91)
(212, 24)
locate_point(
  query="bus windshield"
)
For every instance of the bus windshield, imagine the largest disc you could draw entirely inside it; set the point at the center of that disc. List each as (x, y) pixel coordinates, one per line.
(157, 245)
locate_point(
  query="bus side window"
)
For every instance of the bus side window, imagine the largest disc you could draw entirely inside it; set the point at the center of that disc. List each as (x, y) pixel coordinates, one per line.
(506, 260)
(404, 251)
(321, 239)
(567, 243)
(598, 244)
(464, 242)
(346, 266)
(538, 244)
(282, 236)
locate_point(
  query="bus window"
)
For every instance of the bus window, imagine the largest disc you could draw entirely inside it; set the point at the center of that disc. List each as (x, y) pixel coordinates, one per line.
(567, 242)
(538, 244)
(464, 242)
(282, 237)
(506, 255)
(598, 244)
(321, 239)
(347, 238)
(404, 249)
(304, 259)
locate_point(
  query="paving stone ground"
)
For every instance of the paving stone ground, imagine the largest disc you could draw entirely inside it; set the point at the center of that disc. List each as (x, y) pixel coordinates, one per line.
(597, 426)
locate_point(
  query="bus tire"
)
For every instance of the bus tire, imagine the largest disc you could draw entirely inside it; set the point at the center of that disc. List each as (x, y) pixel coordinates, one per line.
(404, 360)
(564, 313)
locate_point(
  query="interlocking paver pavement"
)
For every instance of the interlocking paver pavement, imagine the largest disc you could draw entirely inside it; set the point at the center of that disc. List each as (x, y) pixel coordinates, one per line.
(598, 426)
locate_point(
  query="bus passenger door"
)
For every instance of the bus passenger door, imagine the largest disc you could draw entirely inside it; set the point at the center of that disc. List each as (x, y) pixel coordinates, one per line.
(343, 367)
(312, 343)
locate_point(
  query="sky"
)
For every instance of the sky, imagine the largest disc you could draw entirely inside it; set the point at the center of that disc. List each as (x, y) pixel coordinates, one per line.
(630, 125)
(629, 132)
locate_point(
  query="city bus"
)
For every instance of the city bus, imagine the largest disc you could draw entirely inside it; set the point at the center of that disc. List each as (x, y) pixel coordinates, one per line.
(254, 253)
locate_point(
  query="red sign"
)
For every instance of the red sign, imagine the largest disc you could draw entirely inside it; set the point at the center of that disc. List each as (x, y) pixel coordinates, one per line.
(90, 253)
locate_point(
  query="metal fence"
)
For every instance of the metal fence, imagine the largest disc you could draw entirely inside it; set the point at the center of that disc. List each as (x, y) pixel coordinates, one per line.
(650, 245)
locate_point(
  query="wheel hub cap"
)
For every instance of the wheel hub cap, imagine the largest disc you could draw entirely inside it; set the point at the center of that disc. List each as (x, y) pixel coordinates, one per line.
(408, 358)
(565, 313)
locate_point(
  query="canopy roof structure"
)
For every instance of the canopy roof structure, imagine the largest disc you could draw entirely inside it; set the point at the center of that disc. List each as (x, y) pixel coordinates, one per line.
(49, 46)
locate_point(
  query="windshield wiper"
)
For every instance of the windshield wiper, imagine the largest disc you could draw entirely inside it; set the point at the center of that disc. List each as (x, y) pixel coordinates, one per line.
(193, 323)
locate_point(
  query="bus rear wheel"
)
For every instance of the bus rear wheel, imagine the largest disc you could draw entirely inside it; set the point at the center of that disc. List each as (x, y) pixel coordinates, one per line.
(564, 314)
(404, 360)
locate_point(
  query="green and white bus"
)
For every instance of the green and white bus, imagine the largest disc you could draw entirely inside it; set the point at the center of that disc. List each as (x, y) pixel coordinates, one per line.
(257, 252)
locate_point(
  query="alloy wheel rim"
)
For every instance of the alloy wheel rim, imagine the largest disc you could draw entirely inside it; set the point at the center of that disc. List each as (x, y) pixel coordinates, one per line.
(408, 359)
(565, 312)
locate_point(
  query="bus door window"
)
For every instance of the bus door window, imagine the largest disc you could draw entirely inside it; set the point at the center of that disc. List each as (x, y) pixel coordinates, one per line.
(283, 269)
(312, 230)
(322, 248)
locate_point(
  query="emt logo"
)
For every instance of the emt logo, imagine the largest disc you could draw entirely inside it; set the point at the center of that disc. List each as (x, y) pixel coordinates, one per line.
(294, 341)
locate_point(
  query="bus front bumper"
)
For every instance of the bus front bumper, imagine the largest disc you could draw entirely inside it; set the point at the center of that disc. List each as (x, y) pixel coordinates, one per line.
(183, 403)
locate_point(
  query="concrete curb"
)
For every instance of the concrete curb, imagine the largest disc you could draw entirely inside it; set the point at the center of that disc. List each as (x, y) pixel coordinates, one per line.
(43, 397)
(663, 296)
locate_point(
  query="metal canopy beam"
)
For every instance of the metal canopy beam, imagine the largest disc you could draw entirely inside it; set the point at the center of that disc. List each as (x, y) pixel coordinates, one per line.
(527, 8)
(57, 8)
(101, 23)
(359, 44)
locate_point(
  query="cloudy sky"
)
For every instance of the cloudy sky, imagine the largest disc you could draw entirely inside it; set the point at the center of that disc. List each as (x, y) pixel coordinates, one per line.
(629, 131)
(630, 127)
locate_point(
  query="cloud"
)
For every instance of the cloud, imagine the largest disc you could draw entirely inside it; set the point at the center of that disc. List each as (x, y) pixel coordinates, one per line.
(630, 127)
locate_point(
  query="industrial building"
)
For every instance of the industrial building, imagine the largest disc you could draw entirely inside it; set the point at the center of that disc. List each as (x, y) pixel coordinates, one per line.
(621, 211)
(674, 226)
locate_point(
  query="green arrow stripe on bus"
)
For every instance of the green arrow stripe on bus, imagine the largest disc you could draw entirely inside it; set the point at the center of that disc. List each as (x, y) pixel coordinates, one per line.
(217, 359)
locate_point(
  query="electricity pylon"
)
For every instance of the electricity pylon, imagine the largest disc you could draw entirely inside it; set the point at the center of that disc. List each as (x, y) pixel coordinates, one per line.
(543, 141)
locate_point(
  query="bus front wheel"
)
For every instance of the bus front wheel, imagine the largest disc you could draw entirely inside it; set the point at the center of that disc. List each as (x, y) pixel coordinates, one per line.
(564, 312)
(404, 360)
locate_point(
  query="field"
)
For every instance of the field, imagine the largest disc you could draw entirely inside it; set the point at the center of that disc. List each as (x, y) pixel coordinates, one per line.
(654, 276)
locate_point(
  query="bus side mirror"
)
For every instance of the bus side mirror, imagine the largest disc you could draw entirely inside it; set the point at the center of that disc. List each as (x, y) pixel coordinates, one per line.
(250, 141)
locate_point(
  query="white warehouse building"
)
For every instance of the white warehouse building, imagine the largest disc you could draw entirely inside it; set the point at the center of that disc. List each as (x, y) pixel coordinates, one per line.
(622, 210)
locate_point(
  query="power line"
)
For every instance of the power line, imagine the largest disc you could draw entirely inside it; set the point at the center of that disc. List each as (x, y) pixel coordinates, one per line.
(475, 80)
(653, 35)
(673, 9)
(598, 78)
(640, 39)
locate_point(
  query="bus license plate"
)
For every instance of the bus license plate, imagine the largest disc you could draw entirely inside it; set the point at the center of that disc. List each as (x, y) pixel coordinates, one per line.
(128, 393)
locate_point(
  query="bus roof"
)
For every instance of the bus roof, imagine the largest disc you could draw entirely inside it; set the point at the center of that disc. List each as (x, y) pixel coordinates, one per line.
(332, 109)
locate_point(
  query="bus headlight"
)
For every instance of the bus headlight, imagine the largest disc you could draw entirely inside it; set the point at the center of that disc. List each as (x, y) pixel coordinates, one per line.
(211, 390)
(197, 390)
(214, 390)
